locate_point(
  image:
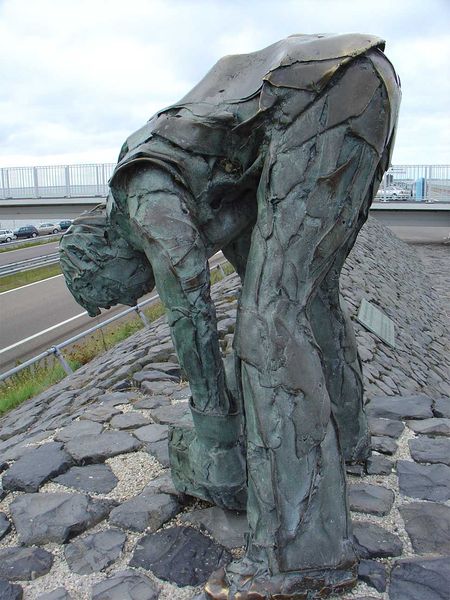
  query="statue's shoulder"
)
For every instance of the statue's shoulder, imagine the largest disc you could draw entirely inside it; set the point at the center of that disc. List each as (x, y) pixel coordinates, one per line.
(237, 77)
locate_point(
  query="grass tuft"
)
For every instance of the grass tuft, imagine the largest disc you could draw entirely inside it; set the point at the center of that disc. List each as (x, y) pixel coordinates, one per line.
(30, 382)
(10, 282)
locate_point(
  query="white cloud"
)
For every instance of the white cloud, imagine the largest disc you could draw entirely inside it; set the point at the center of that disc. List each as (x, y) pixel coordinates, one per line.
(80, 75)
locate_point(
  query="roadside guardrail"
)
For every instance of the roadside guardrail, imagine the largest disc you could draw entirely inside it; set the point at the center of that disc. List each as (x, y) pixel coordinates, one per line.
(30, 263)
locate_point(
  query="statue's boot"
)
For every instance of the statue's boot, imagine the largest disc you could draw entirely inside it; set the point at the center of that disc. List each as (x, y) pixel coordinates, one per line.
(240, 581)
(208, 460)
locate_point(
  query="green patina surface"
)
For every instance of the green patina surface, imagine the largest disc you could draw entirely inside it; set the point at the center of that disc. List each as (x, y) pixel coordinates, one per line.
(273, 158)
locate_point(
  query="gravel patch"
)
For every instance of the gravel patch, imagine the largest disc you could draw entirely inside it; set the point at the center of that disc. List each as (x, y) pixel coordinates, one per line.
(134, 471)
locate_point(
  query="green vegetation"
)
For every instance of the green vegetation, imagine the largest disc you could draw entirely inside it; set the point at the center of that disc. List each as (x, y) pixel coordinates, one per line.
(30, 382)
(10, 282)
(39, 377)
(216, 273)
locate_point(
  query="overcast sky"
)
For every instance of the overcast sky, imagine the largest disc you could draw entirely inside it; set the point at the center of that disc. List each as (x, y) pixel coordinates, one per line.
(78, 76)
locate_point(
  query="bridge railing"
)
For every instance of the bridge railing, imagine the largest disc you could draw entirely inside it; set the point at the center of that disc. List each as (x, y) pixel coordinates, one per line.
(56, 181)
(421, 183)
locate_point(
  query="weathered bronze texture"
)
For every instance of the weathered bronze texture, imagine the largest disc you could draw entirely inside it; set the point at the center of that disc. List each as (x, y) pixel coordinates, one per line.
(274, 157)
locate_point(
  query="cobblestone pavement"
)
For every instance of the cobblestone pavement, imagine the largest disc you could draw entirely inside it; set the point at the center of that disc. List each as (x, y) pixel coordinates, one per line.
(87, 506)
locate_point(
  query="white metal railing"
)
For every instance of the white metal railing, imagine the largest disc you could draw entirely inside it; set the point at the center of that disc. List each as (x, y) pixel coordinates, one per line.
(416, 183)
(421, 183)
(57, 181)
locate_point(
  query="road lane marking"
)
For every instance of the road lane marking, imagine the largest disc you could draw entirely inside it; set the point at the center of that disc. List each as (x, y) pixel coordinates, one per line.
(28, 284)
(32, 337)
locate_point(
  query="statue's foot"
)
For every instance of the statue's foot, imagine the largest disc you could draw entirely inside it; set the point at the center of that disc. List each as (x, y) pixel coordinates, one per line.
(208, 461)
(234, 583)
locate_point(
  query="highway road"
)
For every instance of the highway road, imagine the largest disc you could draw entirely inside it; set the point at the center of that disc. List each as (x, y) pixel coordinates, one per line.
(39, 315)
(36, 316)
(19, 254)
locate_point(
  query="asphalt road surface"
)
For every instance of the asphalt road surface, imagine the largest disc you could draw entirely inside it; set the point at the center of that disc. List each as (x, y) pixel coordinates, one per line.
(13, 256)
(39, 315)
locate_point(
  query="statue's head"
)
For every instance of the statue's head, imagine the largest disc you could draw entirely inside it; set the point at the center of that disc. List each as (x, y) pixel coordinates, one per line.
(100, 268)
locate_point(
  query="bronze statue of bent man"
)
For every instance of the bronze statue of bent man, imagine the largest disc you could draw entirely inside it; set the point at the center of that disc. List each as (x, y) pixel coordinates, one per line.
(274, 158)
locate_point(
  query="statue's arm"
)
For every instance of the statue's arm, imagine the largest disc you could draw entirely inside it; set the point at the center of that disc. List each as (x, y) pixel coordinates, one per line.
(179, 259)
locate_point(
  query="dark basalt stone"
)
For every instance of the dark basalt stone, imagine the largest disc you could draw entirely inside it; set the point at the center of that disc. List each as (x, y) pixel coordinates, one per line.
(160, 450)
(378, 465)
(94, 552)
(36, 467)
(373, 573)
(162, 485)
(182, 394)
(19, 564)
(174, 414)
(372, 541)
(180, 555)
(98, 478)
(152, 402)
(427, 482)
(428, 526)
(116, 398)
(126, 585)
(158, 387)
(170, 368)
(401, 407)
(227, 527)
(20, 425)
(152, 375)
(129, 420)
(148, 510)
(101, 413)
(43, 518)
(5, 525)
(441, 407)
(97, 448)
(420, 579)
(10, 591)
(431, 427)
(152, 433)
(118, 386)
(384, 444)
(77, 429)
(430, 450)
(371, 499)
(388, 427)
(356, 470)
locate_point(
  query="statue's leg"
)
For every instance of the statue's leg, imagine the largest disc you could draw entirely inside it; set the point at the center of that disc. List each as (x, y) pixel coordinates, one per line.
(314, 187)
(334, 333)
(238, 250)
(207, 460)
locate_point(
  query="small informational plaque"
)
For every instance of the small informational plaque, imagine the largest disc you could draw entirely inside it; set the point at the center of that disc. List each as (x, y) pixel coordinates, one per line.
(378, 323)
